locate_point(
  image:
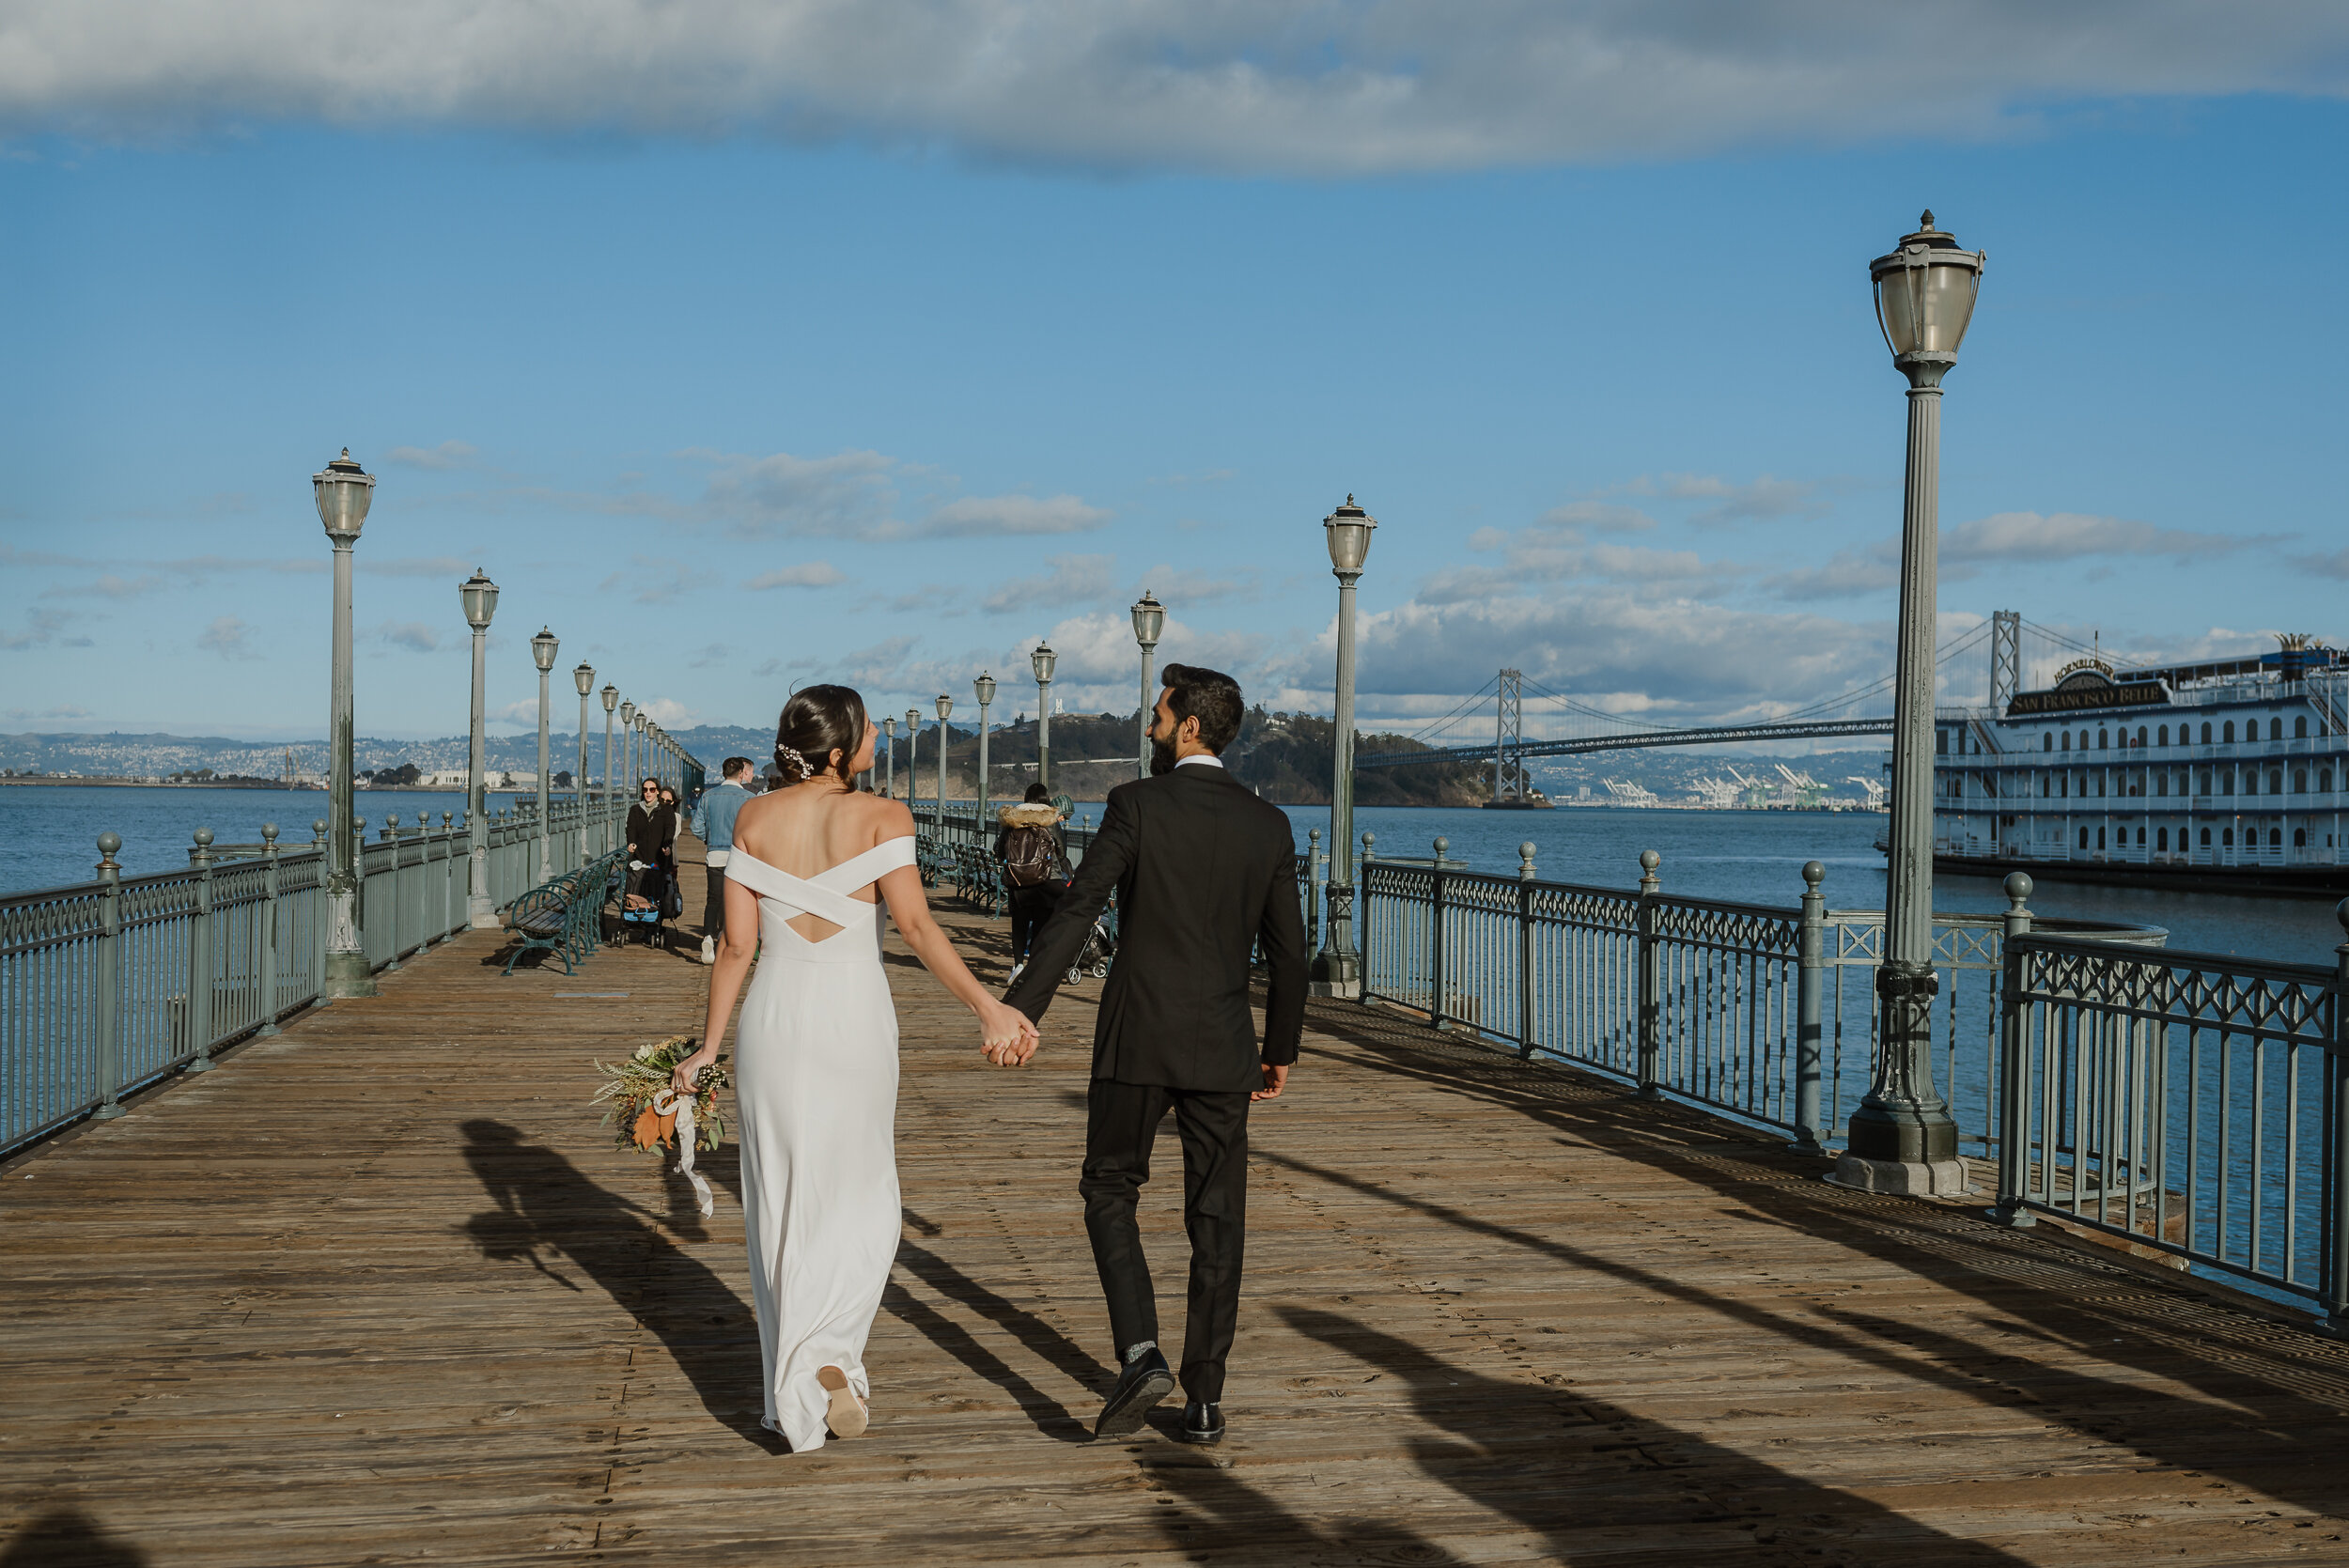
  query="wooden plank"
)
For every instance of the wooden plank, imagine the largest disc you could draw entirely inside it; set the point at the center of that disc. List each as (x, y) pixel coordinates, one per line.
(380, 1289)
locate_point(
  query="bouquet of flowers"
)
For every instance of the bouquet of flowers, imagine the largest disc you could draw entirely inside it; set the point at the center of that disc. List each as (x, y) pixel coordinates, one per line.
(650, 1113)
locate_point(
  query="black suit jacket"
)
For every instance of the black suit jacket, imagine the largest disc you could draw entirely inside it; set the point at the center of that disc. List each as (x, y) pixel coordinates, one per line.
(1202, 871)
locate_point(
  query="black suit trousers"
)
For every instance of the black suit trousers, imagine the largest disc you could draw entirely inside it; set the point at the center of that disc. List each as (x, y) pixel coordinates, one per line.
(714, 909)
(1121, 1123)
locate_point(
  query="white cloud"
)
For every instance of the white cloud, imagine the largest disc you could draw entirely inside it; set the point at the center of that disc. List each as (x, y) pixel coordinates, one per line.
(448, 454)
(108, 586)
(848, 495)
(669, 713)
(1550, 550)
(811, 574)
(1012, 514)
(1604, 516)
(228, 636)
(1684, 661)
(654, 580)
(1297, 85)
(1188, 585)
(851, 495)
(416, 636)
(2007, 536)
(1847, 572)
(2335, 566)
(2068, 535)
(1073, 580)
(1762, 498)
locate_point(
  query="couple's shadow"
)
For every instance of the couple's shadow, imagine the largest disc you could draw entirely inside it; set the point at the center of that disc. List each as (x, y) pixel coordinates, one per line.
(553, 1217)
(550, 1214)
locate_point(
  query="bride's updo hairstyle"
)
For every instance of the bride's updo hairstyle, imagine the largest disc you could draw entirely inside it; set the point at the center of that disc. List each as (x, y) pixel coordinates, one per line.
(816, 722)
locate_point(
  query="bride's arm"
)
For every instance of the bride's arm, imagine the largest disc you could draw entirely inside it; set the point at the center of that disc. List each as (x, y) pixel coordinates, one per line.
(735, 950)
(1011, 1039)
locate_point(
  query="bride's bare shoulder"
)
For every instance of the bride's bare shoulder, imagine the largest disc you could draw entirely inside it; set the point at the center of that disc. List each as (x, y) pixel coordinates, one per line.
(885, 819)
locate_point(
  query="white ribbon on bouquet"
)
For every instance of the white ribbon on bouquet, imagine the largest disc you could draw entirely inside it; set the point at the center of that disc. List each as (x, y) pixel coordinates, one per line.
(664, 1104)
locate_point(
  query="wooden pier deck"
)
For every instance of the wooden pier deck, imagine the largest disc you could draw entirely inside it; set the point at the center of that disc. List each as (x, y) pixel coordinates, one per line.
(380, 1291)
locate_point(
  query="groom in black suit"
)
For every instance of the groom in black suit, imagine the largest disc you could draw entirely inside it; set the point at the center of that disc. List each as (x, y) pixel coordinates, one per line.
(1202, 872)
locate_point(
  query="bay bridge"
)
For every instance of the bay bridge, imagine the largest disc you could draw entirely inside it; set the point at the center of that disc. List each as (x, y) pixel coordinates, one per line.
(1863, 710)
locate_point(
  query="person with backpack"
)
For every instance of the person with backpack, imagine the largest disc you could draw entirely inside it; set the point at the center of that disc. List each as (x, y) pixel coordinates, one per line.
(1035, 866)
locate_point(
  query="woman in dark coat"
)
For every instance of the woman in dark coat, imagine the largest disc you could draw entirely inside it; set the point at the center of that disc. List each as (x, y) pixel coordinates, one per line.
(652, 835)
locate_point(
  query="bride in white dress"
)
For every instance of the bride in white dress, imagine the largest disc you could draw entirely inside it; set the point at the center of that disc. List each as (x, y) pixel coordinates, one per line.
(815, 1061)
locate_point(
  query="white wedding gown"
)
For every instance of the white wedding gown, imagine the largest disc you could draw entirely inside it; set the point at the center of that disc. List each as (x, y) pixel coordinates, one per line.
(816, 1091)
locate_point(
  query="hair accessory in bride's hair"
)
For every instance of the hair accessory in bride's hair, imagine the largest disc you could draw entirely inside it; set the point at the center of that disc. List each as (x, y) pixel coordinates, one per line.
(787, 757)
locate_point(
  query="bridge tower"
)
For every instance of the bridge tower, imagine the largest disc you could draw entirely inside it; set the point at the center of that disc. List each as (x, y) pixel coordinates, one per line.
(2006, 657)
(1509, 781)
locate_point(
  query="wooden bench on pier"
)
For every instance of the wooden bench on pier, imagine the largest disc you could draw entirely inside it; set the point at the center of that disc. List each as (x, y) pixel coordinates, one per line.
(564, 916)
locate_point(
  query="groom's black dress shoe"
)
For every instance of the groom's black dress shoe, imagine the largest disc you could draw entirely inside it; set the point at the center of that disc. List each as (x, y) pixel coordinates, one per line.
(1202, 1424)
(1146, 1380)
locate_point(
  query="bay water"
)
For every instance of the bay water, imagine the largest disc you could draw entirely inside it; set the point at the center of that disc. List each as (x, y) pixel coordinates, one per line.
(49, 838)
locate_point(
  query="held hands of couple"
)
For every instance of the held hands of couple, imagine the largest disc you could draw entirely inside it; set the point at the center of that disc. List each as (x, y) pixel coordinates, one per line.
(1009, 1039)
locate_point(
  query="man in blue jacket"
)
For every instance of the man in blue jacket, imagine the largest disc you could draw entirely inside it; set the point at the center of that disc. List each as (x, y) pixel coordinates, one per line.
(714, 824)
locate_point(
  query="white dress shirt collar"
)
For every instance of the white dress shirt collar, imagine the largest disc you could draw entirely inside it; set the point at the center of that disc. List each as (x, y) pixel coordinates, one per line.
(1200, 759)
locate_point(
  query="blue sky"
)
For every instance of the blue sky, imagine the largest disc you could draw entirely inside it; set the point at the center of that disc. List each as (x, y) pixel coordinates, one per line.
(833, 387)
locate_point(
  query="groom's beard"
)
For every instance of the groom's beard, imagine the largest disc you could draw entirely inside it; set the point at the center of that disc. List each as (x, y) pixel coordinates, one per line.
(1161, 756)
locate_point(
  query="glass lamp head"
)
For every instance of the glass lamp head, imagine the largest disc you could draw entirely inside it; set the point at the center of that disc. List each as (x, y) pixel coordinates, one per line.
(945, 706)
(985, 688)
(1041, 661)
(1925, 291)
(542, 648)
(611, 695)
(1149, 620)
(584, 677)
(480, 597)
(889, 727)
(914, 721)
(1347, 530)
(344, 489)
(628, 714)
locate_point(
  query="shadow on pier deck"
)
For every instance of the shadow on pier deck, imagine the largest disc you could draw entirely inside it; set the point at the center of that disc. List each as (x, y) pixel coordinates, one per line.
(381, 1290)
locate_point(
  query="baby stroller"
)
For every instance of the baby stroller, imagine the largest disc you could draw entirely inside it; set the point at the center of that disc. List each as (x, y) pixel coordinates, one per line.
(1099, 948)
(645, 907)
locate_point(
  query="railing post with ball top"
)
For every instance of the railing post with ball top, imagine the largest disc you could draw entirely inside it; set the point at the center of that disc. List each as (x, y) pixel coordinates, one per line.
(1651, 980)
(200, 957)
(109, 979)
(319, 847)
(1525, 948)
(1809, 995)
(268, 929)
(1313, 887)
(391, 837)
(2013, 1072)
(2337, 1073)
(1435, 937)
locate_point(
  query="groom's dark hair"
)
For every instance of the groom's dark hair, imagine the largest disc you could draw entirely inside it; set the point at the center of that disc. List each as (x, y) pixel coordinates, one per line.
(1208, 695)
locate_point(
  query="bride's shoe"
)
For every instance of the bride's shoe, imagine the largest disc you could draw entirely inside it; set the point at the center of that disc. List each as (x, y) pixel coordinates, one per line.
(846, 1415)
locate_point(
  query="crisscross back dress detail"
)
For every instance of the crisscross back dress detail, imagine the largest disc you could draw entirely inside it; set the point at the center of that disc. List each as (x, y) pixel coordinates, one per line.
(815, 1093)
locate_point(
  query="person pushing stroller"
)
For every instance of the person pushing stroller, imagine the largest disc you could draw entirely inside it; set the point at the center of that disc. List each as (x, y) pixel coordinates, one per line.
(1035, 858)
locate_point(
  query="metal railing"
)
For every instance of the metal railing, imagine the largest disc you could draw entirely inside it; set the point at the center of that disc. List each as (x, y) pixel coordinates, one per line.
(2193, 1103)
(108, 985)
(1767, 1013)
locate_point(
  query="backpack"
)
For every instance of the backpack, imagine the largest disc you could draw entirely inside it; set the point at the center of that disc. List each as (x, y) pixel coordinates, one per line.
(1027, 857)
